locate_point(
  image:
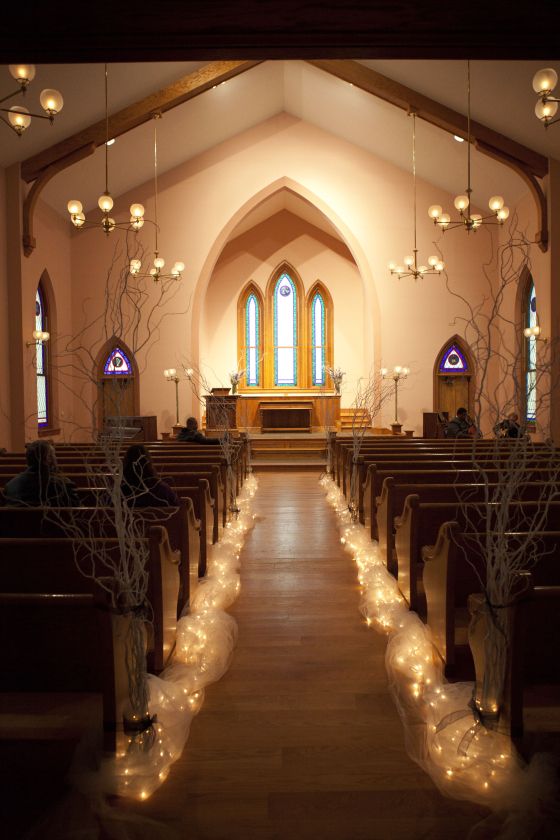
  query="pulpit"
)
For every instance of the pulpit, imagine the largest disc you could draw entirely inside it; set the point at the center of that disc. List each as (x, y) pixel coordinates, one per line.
(221, 409)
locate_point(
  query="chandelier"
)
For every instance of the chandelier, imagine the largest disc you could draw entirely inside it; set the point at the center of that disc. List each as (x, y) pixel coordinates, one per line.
(544, 82)
(156, 272)
(411, 267)
(467, 220)
(19, 118)
(105, 201)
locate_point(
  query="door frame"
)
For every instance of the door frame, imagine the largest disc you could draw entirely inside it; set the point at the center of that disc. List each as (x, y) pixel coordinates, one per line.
(110, 345)
(470, 374)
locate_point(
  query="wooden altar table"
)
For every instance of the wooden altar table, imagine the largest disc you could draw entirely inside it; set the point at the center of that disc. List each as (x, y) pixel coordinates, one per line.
(286, 416)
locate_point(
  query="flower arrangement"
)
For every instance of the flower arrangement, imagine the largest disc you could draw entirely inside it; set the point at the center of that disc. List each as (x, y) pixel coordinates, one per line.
(235, 378)
(337, 375)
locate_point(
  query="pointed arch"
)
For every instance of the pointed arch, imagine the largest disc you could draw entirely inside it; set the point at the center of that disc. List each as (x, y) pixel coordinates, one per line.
(119, 393)
(45, 321)
(250, 342)
(285, 363)
(320, 331)
(454, 376)
(527, 375)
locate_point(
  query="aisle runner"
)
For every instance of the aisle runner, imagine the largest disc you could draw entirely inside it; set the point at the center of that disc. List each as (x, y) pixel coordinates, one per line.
(205, 641)
(465, 760)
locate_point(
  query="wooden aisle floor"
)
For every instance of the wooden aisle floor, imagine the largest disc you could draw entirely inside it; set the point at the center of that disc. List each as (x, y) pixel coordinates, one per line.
(300, 739)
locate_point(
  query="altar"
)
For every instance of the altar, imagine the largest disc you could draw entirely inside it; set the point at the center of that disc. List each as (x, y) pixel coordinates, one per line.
(279, 411)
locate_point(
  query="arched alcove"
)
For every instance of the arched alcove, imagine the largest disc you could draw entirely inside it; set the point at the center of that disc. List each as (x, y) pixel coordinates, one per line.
(454, 377)
(118, 382)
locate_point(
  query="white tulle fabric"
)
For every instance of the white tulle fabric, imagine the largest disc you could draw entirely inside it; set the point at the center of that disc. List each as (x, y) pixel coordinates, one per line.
(205, 641)
(442, 734)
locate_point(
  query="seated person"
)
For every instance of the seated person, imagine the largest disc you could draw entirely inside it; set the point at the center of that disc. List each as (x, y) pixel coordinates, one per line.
(41, 483)
(509, 428)
(460, 426)
(190, 433)
(141, 484)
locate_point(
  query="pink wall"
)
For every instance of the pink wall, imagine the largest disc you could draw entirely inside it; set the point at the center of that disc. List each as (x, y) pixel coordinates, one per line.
(5, 401)
(367, 201)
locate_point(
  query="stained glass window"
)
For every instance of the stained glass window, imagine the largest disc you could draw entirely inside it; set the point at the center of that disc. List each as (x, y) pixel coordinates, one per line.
(318, 341)
(117, 364)
(252, 348)
(285, 332)
(531, 356)
(41, 357)
(453, 361)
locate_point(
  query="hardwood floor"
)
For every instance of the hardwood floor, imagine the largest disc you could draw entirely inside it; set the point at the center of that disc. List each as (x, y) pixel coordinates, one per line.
(300, 738)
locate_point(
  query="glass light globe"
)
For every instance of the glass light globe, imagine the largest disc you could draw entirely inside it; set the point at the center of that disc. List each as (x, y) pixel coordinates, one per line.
(135, 266)
(545, 111)
(503, 214)
(166, 373)
(476, 220)
(461, 202)
(136, 223)
(527, 332)
(110, 225)
(383, 371)
(153, 272)
(408, 261)
(159, 262)
(440, 266)
(435, 211)
(136, 210)
(397, 369)
(400, 269)
(51, 101)
(433, 261)
(391, 266)
(536, 330)
(78, 219)
(172, 372)
(423, 269)
(544, 81)
(180, 266)
(23, 73)
(74, 206)
(19, 118)
(406, 371)
(105, 203)
(496, 203)
(444, 220)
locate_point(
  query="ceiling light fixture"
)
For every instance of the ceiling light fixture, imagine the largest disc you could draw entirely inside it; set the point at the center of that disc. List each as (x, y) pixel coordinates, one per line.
(411, 267)
(105, 201)
(544, 82)
(467, 220)
(156, 272)
(19, 118)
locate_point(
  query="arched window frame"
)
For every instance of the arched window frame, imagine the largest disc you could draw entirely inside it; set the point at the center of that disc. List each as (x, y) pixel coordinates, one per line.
(319, 289)
(529, 355)
(457, 341)
(304, 332)
(104, 354)
(251, 290)
(42, 360)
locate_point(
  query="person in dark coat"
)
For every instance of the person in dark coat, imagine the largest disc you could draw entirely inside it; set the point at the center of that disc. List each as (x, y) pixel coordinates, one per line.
(190, 434)
(141, 485)
(41, 483)
(459, 426)
(509, 428)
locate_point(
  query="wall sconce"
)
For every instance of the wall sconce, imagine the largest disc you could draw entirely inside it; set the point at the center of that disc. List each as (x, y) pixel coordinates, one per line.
(544, 82)
(171, 376)
(39, 337)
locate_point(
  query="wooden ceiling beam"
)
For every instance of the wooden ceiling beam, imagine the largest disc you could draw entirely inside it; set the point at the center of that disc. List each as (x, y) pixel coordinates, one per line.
(435, 113)
(134, 115)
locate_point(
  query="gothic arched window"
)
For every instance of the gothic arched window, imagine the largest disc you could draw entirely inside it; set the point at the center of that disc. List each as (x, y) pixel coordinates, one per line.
(530, 355)
(284, 309)
(42, 360)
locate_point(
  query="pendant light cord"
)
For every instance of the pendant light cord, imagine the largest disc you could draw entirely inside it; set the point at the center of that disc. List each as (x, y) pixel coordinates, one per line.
(469, 137)
(414, 178)
(106, 132)
(157, 116)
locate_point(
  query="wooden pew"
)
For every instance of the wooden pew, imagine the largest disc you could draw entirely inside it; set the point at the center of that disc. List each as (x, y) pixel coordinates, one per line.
(449, 580)
(182, 527)
(533, 667)
(420, 521)
(46, 565)
(61, 643)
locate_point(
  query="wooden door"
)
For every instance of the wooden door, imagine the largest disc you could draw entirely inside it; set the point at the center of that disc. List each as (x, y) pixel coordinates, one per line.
(453, 393)
(117, 397)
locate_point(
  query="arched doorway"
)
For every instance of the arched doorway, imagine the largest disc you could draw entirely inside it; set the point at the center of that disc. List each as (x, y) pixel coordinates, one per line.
(453, 377)
(117, 380)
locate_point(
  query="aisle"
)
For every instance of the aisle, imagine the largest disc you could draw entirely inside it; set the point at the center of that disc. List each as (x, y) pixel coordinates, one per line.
(300, 739)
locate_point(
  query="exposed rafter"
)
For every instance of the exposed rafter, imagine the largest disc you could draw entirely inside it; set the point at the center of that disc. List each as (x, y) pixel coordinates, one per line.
(525, 162)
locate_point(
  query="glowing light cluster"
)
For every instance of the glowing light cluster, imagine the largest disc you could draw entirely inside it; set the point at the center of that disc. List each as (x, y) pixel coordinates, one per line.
(205, 641)
(443, 735)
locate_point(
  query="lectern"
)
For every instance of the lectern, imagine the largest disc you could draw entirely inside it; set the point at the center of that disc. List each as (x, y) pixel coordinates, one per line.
(221, 409)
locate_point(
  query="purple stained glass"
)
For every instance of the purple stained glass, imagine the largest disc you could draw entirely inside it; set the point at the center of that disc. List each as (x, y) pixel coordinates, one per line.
(453, 361)
(117, 364)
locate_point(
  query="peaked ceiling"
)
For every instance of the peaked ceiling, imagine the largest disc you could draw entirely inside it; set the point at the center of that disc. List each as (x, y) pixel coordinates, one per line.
(501, 97)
